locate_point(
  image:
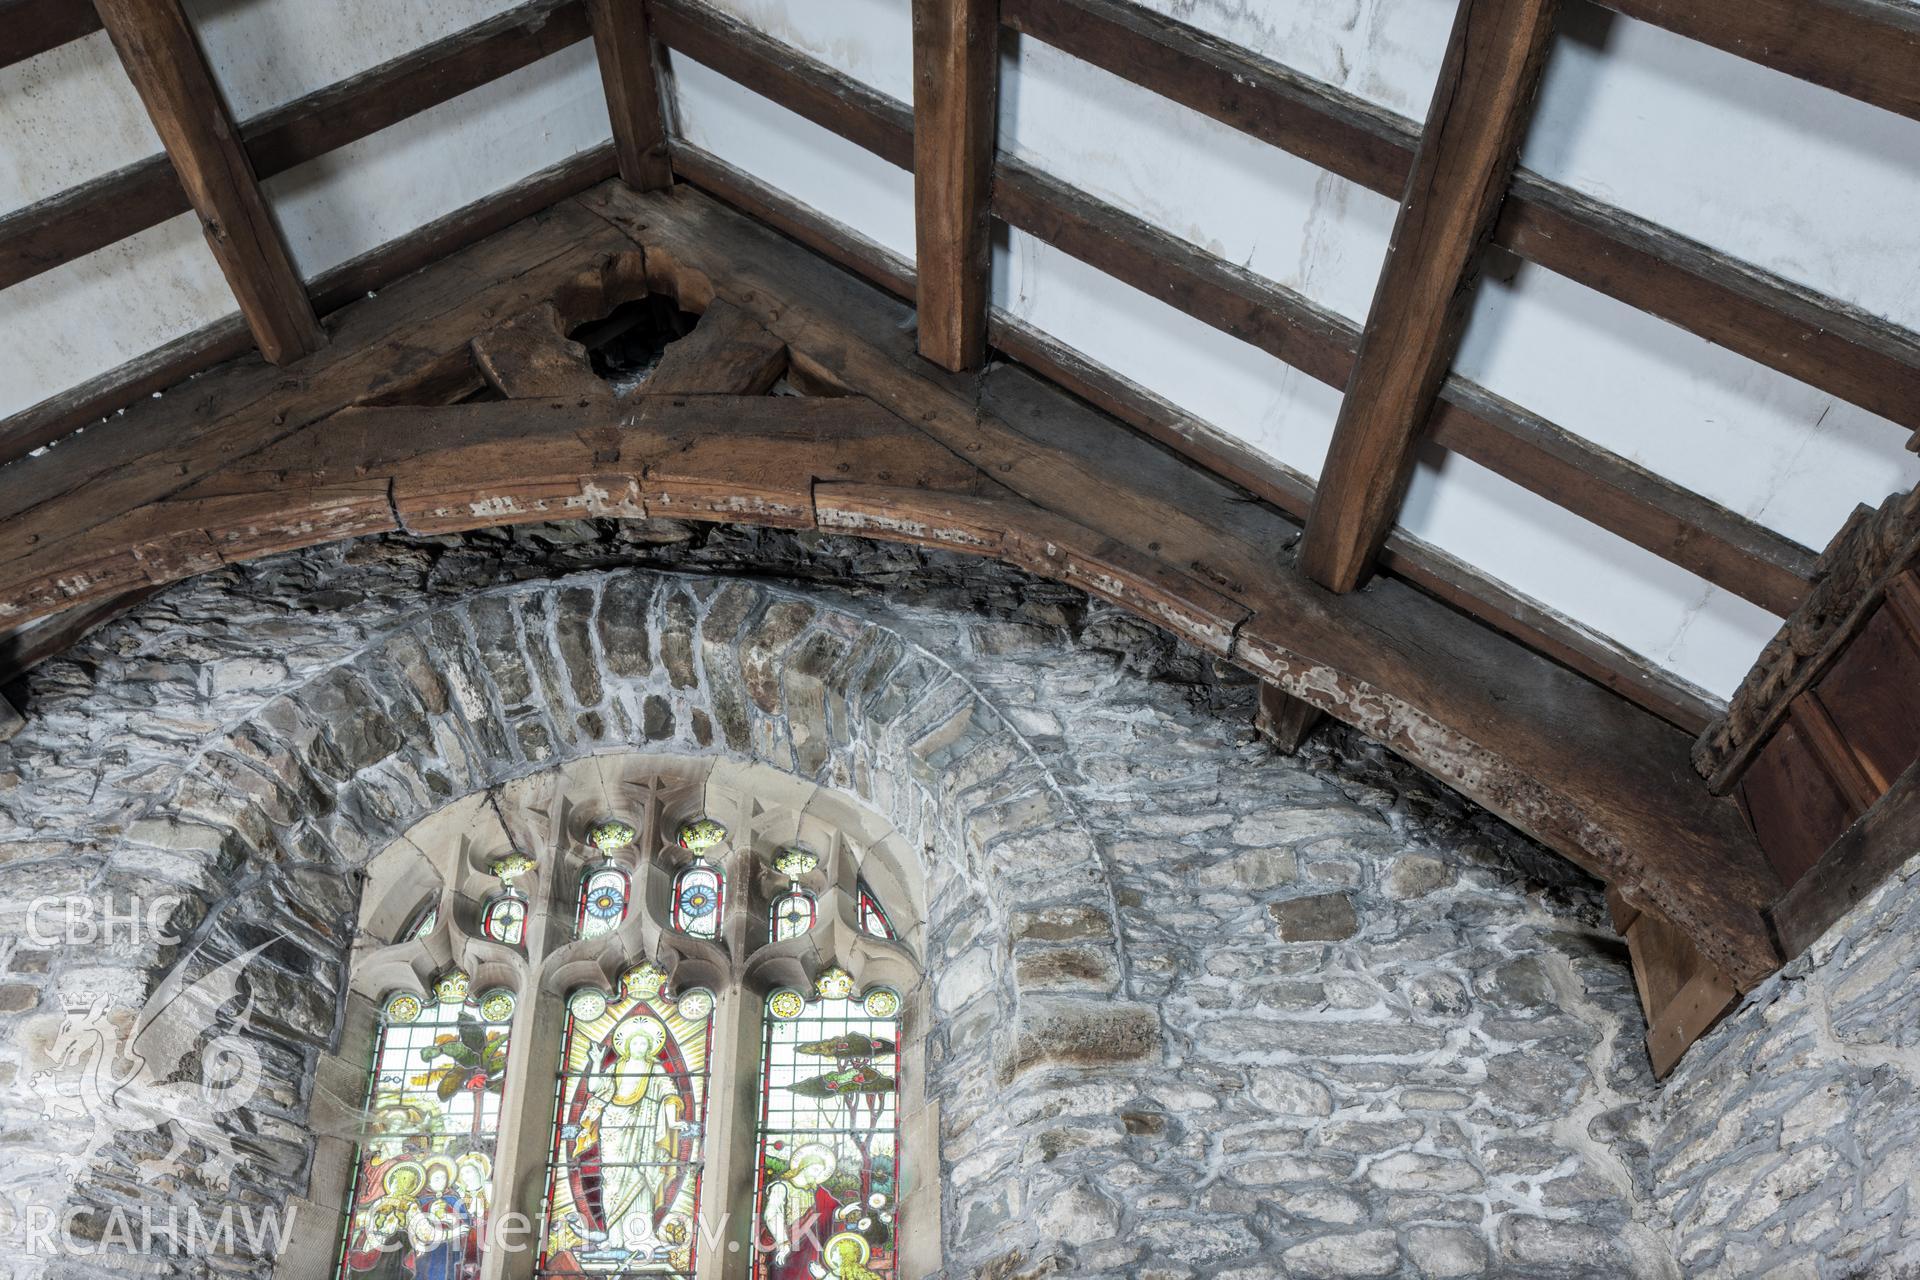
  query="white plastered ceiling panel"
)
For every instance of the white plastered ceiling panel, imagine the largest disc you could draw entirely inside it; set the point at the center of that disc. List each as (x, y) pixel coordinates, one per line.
(163, 283)
(1791, 177)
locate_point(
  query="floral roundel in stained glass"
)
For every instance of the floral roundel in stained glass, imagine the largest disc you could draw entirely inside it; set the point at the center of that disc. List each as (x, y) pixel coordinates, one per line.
(786, 1004)
(701, 835)
(881, 1002)
(587, 1004)
(698, 899)
(451, 985)
(402, 1006)
(611, 835)
(835, 984)
(795, 862)
(643, 981)
(695, 1004)
(497, 1005)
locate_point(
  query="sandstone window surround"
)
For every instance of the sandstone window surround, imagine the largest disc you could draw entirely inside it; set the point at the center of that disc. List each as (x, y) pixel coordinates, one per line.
(443, 873)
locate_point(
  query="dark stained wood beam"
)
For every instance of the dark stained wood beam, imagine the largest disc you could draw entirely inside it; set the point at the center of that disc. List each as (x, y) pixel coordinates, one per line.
(1701, 536)
(1447, 579)
(168, 69)
(1856, 864)
(1284, 720)
(1866, 49)
(1515, 731)
(624, 46)
(167, 369)
(1481, 105)
(530, 356)
(1772, 321)
(95, 214)
(1321, 124)
(1648, 510)
(247, 405)
(956, 75)
(728, 353)
(1769, 320)
(29, 27)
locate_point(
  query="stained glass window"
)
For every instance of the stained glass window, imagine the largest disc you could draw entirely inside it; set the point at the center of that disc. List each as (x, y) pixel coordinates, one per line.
(421, 1202)
(505, 919)
(873, 916)
(699, 900)
(422, 922)
(623, 1178)
(826, 1182)
(791, 915)
(603, 900)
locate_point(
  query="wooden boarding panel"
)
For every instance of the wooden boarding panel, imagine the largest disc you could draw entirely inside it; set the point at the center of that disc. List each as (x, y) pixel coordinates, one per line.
(1872, 693)
(1869, 851)
(1797, 808)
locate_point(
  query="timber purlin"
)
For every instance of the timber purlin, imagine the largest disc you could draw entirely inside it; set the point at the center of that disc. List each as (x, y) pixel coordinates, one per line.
(179, 362)
(30, 27)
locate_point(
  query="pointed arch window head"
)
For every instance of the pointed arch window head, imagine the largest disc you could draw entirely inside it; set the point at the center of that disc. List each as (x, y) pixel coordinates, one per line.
(505, 919)
(425, 1168)
(604, 892)
(421, 923)
(873, 916)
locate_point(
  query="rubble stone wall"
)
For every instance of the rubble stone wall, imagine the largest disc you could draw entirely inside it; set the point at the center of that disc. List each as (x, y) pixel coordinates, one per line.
(1201, 1011)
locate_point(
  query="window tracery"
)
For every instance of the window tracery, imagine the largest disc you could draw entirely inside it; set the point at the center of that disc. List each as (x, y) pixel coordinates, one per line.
(682, 962)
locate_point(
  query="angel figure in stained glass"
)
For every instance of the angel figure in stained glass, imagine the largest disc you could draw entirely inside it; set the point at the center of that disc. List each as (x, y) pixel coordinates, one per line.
(636, 1118)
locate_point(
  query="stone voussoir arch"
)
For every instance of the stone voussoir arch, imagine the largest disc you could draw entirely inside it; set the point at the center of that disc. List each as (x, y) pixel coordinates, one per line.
(278, 813)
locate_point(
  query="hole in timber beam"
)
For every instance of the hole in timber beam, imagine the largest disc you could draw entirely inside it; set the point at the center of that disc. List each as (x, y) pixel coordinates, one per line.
(626, 344)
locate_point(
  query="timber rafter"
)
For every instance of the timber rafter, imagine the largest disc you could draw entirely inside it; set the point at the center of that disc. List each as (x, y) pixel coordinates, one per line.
(997, 464)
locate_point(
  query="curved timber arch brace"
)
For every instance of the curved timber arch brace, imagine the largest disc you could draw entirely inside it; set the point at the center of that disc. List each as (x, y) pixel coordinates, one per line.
(886, 446)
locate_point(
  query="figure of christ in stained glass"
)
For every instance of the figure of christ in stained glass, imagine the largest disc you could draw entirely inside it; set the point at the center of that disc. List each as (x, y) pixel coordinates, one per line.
(623, 1192)
(420, 1203)
(828, 1144)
